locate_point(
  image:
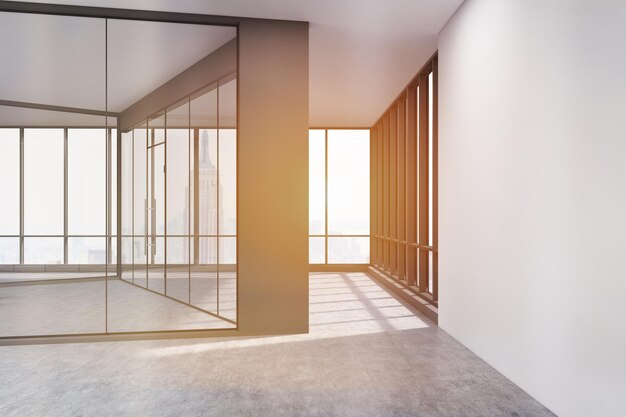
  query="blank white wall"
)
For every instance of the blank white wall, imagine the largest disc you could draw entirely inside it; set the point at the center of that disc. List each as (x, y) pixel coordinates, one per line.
(532, 152)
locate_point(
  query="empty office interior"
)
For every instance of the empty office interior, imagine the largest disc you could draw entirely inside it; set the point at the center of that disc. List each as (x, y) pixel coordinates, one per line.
(249, 200)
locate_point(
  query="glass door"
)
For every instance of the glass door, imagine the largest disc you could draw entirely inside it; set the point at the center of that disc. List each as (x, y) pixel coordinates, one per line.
(155, 205)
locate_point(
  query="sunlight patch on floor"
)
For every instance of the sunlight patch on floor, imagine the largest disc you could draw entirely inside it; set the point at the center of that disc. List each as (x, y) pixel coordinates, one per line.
(341, 304)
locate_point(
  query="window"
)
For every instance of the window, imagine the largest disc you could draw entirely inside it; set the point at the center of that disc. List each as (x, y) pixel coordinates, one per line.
(339, 196)
(10, 184)
(86, 181)
(65, 215)
(404, 183)
(43, 181)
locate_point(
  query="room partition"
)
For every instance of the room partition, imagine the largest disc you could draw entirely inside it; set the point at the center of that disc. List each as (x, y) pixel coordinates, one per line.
(118, 141)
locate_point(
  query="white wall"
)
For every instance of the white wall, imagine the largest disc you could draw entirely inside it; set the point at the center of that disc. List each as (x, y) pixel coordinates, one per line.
(532, 152)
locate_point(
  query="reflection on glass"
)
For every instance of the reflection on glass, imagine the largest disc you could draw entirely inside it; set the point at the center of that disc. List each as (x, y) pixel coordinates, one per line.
(43, 182)
(10, 184)
(348, 182)
(317, 182)
(86, 181)
(348, 250)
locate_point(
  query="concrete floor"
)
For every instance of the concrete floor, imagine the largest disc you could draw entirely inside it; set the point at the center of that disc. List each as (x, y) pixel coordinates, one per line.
(366, 355)
(78, 306)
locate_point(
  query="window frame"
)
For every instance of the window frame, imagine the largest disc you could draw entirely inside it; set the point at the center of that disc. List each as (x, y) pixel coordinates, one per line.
(326, 235)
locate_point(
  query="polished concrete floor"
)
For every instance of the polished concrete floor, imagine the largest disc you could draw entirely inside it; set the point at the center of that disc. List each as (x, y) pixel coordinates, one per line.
(366, 355)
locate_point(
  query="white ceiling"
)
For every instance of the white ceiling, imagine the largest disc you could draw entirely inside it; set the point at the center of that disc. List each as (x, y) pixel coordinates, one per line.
(362, 52)
(60, 60)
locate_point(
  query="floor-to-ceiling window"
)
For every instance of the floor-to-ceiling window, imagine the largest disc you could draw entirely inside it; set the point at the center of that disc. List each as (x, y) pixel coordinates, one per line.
(339, 196)
(404, 186)
(56, 190)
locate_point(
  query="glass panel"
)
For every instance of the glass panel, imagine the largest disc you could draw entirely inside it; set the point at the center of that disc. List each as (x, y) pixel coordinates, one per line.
(317, 182)
(228, 181)
(178, 174)
(204, 276)
(207, 252)
(203, 115)
(348, 250)
(156, 129)
(430, 158)
(127, 183)
(156, 270)
(10, 184)
(86, 181)
(178, 250)
(9, 250)
(113, 183)
(317, 250)
(43, 250)
(43, 181)
(228, 278)
(139, 178)
(228, 158)
(228, 250)
(140, 259)
(127, 258)
(179, 200)
(86, 250)
(348, 182)
(207, 182)
(112, 269)
(203, 109)
(177, 267)
(228, 104)
(156, 182)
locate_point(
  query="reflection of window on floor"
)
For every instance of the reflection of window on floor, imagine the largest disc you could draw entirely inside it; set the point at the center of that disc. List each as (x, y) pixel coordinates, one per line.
(339, 196)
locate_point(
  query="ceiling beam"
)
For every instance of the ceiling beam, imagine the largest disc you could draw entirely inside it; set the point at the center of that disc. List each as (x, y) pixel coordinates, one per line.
(63, 109)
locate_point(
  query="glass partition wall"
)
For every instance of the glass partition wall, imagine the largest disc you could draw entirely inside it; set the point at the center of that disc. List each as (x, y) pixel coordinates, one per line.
(180, 237)
(108, 227)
